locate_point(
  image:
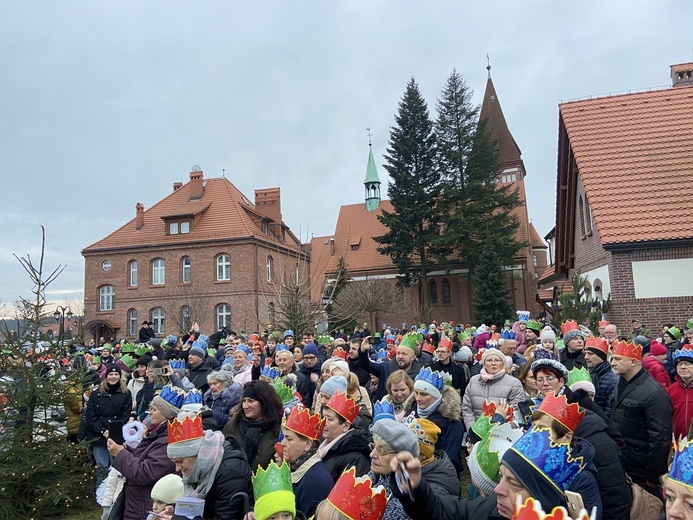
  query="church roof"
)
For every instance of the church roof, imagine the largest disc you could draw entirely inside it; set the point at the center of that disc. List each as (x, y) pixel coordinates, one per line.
(371, 172)
(535, 238)
(491, 111)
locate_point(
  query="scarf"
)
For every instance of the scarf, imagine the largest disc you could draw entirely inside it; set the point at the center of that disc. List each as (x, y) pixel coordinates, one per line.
(487, 378)
(325, 447)
(252, 432)
(301, 466)
(203, 473)
(425, 412)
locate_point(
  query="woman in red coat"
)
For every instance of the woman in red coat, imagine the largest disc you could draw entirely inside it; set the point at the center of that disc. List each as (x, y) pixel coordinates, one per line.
(654, 364)
(681, 391)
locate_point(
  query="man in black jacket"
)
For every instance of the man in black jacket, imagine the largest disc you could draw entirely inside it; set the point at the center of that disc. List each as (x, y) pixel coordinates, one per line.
(199, 369)
(643, 413)
(445, 364)
(405, 359)
(353, 360)
(143, 335)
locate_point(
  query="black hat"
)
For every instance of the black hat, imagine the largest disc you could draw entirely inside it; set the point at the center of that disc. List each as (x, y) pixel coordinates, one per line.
(144, 359)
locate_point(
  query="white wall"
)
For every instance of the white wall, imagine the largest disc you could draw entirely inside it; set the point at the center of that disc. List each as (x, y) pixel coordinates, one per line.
(663, 278)
(601, 274)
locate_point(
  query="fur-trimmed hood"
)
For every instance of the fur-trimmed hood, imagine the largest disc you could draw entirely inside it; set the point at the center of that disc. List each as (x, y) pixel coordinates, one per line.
(450, 407)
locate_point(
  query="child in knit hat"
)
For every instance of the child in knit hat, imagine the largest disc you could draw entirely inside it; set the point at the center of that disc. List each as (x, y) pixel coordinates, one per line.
(167, 490)
(547, 348)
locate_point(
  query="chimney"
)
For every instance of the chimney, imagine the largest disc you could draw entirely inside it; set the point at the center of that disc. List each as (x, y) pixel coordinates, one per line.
(139, 215)
(268, 204)
(682, 75)
(332, 246)
(177, 186)
(196, 183)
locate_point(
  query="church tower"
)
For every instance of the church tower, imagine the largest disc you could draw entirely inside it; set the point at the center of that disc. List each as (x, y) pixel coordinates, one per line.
(372, 183)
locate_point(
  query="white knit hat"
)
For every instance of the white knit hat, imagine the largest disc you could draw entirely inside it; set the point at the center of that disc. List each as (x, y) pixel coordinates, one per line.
(168, 489)
(340, 364)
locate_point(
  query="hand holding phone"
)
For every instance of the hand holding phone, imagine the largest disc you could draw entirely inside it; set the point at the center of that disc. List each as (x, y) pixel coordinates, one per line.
(115, 431)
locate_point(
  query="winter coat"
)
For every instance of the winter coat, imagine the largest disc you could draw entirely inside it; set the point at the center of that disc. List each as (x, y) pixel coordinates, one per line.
(309, 386)
(459, 378)
(244, 374)
(351, 450)
(103, 408)
(198, 376)
(135, 385)
(142, 467)
(604, 381)
(643, 413)
(394, 509)
(363, 375)
(73, 406)
(656, 370)
(570, 360)
(682, 401)
(383, 370)
(585, 482)
(481, 339)
(441, 475)
(541, 353)
(265, 452)
(447, 418)
(221, 406)
(312, 488)
(478, 391)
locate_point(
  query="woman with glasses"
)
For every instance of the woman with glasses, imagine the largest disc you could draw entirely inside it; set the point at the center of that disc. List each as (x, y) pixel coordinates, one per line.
(492, 384)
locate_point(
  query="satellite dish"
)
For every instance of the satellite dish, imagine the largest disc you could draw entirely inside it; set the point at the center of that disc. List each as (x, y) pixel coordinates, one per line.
(196, 168)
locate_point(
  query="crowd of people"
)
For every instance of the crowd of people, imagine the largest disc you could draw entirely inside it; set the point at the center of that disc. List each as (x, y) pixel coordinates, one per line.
(382, 425)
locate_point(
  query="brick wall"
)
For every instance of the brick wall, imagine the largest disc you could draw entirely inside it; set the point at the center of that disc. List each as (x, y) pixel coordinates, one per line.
(589, 252)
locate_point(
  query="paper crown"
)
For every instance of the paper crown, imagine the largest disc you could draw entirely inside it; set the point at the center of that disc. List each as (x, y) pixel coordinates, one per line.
(532, 510)
(689, 323)
(356, 498)
(242, 348)
(381, 356)
(578, 375)
(340, 353)
(596, 343)
(284, 388)
(193, 397)
(489, 409)
(682, 464)
(523, 316)
(128, 348)
(569, 325)
(281, 347)
(409, 340)
(445, 343)
(383, 410)
(273, 491)
(96, 360)
(685, 353)
(486, 454)
(507, 334)
(301, 421)
(324, 340)
(271, 373)
(674, 332)
(141, 350)
(534, 325)
(253, 337)
(177, 364)
(391, 338)
(200, 344)
(344, 406)
(211, 352)
(203, 339)
(188, 429)
(627, 350)
(602, 323)
(173, 395)
(289, 332)
(569, 415)
(431, 377)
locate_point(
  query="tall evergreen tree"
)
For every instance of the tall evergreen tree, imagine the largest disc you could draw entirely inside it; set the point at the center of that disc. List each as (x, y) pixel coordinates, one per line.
(480, 212)
(413, 235)
(491, 298)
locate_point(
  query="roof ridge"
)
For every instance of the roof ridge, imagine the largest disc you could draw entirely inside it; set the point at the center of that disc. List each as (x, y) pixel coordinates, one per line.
(622, 93)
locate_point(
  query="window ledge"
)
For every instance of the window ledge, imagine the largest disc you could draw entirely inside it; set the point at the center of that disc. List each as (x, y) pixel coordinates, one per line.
(131, 287)
(157, 286)
(222, 281)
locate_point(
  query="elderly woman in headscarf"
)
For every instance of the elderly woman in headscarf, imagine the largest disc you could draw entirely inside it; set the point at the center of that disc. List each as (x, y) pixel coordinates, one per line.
(223, 394)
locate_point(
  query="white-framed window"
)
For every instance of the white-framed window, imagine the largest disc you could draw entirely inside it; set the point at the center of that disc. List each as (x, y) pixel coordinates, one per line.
(173, 228)
(133, 273)
(107, 298)
(186, 266)
(270, 267)
(185, 227)
(132, 322)
(159, 320)
(223, 315)
(158, 272)
(223, 267)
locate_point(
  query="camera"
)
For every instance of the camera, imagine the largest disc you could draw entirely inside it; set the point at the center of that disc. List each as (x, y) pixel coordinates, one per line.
(158, 371)
(373, 340)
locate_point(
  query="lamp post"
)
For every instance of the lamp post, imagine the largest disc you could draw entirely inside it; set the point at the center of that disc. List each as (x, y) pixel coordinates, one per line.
(59, 316)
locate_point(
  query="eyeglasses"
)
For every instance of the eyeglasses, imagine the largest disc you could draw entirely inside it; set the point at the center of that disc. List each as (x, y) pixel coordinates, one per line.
(547, 379)
(493, 361)
(310, 357)
(379, 451)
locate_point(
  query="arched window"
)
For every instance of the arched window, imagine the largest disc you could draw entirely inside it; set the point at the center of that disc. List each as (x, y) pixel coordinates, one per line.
(133, 273)
(185, 317)
(399, 292)
(132, 322)
(581, 215)
(223, 268)
(534, 260)
(270, 267)
(186, 266)
(270, 313)
(159, 320)
(447, 293)
(223, 315)
(158, 272)
(434, 291)
(107, 298)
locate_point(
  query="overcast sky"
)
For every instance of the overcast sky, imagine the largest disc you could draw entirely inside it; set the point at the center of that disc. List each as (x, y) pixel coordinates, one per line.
(104, 104)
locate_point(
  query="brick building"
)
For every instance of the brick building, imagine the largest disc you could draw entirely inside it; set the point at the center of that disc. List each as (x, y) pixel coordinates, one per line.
(203, 253)
(624, 216)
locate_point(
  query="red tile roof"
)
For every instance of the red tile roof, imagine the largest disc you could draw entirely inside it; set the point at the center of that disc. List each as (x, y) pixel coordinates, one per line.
(223, 212)
(535, 238)
(496, 124)
(634, 153)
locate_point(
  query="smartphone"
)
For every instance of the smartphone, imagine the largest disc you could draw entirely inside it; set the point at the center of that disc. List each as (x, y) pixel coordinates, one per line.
(575, 503)
(373, 340)
(115, 431)
(158, 371)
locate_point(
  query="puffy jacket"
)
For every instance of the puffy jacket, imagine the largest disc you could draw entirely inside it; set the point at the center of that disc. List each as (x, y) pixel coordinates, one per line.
(586, 481)
(604, 381)
(656, 370)
(102, 408)
(441, 475)
(572, 360)
(383, 370)
(351, 450)
(681, 395)
(643, 413)
(142, 467)
(227, 399)
(73, 406)
(478, 391)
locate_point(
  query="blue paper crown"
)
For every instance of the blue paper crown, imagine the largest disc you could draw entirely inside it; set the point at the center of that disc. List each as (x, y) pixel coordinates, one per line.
(199, 344)
(383, 410)
(177, 364)
(685, 353)
(173, 395)
(271, 372)
(203, 338)
(281, 347)
(682, 465)
(523, 316)
(553, 460)
(194, 396)
(431, 377)
(507, 334)
(172, 339)
(242, 348)
(289, 333)
(382, 354)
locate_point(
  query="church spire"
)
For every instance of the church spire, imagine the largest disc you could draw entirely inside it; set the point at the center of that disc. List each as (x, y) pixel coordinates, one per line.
(372, 181)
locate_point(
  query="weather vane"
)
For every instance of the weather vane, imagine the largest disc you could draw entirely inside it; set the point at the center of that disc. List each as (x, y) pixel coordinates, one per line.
(368, 133)
(488, 64)
(223, 173)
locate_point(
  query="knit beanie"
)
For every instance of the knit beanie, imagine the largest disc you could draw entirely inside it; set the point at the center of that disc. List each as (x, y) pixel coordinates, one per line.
(548, 334)
(396, 435)
(333, 384)
(144, 359)
(426, 433)
(657, 349)
(340, 364)
(311, 350)
(168, 489)
(572, 334)
(197, 351)
(167, 409)
(493, 352)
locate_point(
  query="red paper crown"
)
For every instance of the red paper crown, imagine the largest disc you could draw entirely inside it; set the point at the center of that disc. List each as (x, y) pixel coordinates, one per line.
(531, 510)
(356, 499)
(602, 323)
(489, 408)
(569, 325)
(627, 350)
(253, 337)
(188, 429)
(569, 415)
(304, 423)
(344, 406)
(597, 344)
(427, 347)
(339, 352)
(479, 354)
(445, 343)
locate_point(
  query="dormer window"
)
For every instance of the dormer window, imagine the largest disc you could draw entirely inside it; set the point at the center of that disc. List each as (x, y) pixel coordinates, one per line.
(265, 228)
(173, 228)
(185, 227)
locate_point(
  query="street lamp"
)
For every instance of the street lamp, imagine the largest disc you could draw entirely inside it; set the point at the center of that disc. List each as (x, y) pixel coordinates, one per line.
(59, 316)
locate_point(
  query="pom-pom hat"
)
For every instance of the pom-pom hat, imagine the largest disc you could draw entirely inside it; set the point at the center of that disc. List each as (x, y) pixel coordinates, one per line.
(356, 498)
(273, 491)
(343, 405)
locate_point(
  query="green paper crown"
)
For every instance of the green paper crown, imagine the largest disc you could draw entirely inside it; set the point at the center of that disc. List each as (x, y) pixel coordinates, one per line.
(534, 325)
(409, 340)
(447, 378)
(96, 360)
(140, 350)
(578, 374)
(324, 340)
(675, 332)
(482, 426)
(211, 352)
(273, 491)
(107, 346)
(128, 361)
(128, 348)
(689, 323)
(285, 393)
(560, 344)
